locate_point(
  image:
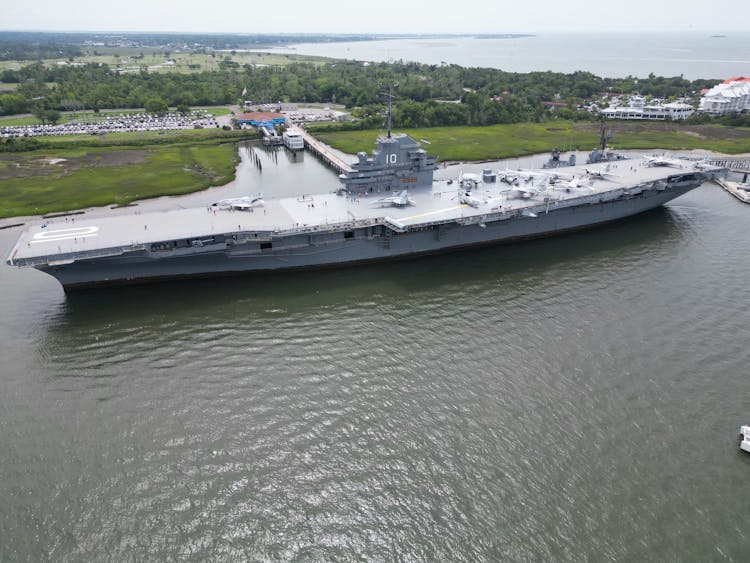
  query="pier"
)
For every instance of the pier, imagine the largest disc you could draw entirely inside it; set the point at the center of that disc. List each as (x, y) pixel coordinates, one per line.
(270, 137)
(734, 189)
(325, 153)
(735, 164)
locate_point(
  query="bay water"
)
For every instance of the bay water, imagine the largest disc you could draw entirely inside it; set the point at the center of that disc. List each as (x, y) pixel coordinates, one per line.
(573, 398)
(691, 54)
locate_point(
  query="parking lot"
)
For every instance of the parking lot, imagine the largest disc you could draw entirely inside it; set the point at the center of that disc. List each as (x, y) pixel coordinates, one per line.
(116, 123)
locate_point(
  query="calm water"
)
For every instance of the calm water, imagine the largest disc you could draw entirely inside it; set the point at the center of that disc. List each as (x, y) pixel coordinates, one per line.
(694, 55)
(575, 398)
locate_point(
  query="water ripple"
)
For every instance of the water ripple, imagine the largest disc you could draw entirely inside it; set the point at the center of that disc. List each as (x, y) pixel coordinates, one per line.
(560, 400)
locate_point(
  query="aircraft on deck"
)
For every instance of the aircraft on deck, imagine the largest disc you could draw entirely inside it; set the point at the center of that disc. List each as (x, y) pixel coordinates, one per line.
(576, 182)
(400, 200)
(598, 175)
(515, 177)
(663, 161)
(469, 180)
(241, 203)
(465, 197)
(525, 183)
(702, 164)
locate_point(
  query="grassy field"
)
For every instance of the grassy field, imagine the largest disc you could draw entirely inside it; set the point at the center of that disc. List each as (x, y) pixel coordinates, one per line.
(86, 173)
(217, 111)
(15, 120)
(138, 138)
(509, 141)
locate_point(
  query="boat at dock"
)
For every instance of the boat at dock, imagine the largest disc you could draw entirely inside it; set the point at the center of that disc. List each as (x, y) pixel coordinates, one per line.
(388, 207)
(293, 140)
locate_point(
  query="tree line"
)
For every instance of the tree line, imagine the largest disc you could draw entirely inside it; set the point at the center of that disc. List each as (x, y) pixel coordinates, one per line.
(35, 46)
(427, 95)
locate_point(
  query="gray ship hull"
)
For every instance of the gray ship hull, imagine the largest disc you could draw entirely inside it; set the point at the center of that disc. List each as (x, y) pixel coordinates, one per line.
(374, 242)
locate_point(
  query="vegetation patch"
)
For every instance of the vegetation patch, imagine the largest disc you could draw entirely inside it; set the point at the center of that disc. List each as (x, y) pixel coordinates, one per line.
(30, 165)
(129, 139)
(520, 139)
(14, 121)
(45, 181)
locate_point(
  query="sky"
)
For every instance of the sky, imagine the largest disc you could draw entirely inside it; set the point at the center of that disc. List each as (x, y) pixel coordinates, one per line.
(378, 16)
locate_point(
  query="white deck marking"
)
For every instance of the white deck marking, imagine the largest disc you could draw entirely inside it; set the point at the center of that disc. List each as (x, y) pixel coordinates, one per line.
(64, 234)
(436, 212)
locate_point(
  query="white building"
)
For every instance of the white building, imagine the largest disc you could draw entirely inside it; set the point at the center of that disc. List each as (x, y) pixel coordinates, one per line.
(340, 116)
(637, 109)
(731, 96)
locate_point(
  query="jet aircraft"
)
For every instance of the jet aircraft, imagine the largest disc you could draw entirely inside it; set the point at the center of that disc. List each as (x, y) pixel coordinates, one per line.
(241, 203)
(400, 200)
(663, 161)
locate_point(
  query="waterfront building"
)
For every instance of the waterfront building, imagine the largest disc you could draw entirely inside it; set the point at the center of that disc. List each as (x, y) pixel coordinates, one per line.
(638, 109)
(260, 119)
(731, 96)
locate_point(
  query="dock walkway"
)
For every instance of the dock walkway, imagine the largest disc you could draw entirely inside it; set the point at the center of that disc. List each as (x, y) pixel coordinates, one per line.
(328, 155)
(270, 136)
(735, 164)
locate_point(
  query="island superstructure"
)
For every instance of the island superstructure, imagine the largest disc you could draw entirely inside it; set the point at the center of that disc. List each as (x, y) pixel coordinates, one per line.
(388, 207)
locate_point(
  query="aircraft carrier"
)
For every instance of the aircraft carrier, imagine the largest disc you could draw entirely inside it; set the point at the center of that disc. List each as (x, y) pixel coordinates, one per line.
(388, 207)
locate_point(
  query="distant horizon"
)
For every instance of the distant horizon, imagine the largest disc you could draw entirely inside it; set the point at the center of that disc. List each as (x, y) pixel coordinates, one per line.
(383, 33)
(387, 17)
(691, 54)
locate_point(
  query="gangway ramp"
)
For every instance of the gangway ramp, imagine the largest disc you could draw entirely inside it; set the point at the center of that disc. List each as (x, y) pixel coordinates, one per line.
(326, 153)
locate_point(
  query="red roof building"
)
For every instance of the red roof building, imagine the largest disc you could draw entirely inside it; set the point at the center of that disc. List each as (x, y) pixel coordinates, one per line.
(260, 118)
